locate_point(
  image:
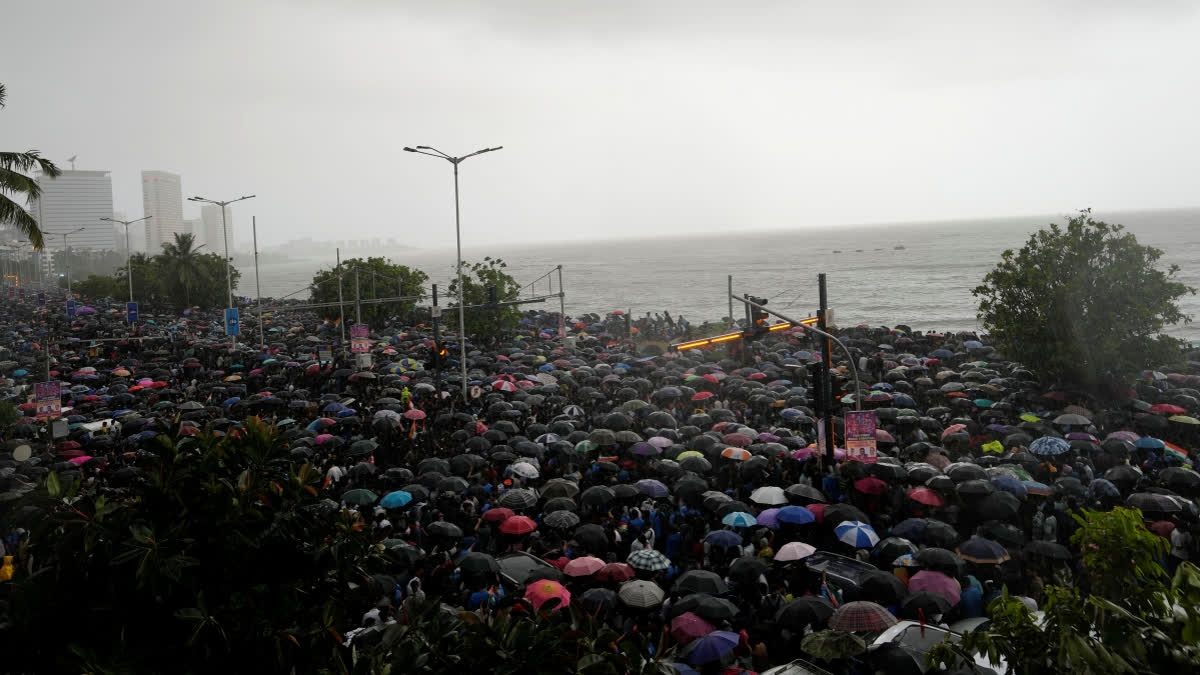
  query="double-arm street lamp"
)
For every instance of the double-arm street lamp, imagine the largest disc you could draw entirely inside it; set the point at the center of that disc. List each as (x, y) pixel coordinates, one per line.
(128, 251)
(66, 252)
(462, 327)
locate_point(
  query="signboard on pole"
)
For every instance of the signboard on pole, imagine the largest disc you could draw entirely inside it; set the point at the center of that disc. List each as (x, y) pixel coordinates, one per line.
(131, 312)
(360, 340)
(233, 323)
(860, 436)
(324, 353)
(48, 399)
(71, 308)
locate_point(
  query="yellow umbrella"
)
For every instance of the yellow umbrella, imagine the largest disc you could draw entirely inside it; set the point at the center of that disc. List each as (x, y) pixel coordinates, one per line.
(688, 453)
(1027, 417)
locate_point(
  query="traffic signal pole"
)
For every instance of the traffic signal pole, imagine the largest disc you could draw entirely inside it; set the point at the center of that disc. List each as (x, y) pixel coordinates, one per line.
(437, 341)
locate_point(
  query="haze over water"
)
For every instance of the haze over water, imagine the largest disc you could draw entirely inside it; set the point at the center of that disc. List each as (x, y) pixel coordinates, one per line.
(926, 285)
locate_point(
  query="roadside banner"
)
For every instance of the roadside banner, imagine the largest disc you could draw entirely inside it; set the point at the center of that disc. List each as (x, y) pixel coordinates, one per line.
(48, 399)
(360, 340)
(860, 436)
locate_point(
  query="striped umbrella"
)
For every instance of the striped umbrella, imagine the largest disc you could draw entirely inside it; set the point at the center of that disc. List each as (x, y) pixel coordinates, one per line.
(648, 560)
(856, 533)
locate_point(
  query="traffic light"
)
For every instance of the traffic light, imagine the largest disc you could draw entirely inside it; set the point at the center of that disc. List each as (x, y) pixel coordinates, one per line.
(758, 317)
(493, 296)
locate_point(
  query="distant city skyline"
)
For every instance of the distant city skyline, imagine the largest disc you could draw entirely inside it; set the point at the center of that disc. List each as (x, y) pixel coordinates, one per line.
(162, 201)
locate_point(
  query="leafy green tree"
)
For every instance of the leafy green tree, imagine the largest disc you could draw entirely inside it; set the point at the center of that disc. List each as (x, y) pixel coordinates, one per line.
(182, 264)
(377, 278)
(222, 556)
(96, 286)
(487, 322)
(1081, 300)
(13, 181)
(1121, 618)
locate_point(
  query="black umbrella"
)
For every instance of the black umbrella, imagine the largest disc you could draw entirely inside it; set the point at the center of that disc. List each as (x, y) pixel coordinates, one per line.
(998, 506)
(881, 587)
(891, 548)
(705, 606)
(597, 495)
(803, 612)
(939, 559)
(746, 570)
(478, 563)
(924, 606)
(441, 528)
(1047, 549)
(701, 581)
(805, 494)
(592, 537)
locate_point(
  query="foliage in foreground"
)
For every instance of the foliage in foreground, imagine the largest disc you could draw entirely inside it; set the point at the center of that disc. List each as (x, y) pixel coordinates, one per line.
(1121, 618)
(1081, 300)
(224, 558)
(509, 641)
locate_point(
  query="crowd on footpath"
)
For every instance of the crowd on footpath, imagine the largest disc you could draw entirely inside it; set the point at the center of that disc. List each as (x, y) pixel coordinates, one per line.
(687, 494)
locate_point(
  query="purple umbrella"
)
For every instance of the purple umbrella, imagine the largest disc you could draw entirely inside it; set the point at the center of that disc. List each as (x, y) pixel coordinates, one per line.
(85, 310)
(644, 449)
(769, 518)
(711, 647)
(652, 488)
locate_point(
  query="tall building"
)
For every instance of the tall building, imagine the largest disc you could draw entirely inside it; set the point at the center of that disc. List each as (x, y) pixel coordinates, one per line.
(162, 200)
(73, 200)
(211, 215)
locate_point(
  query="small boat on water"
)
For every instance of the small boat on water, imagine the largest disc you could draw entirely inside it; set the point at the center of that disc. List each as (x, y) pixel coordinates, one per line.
(836, 251)
(898, 248)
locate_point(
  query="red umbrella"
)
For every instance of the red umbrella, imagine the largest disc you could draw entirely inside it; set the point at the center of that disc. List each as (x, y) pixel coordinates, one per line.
(953, 429)
(687, 627)
(737, 440)
(870, 485)
(615, 572)
(702, 396)
(497, 514)
(541, 591)
(518, 525)
(862, 616)
(583, 567)
(736, 453)
(1168, 409)
(504, 385)
(312, 369)
(818, 510)
(414, 414)
(923, 495)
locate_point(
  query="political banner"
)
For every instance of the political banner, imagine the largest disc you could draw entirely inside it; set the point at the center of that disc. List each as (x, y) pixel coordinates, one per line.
(860, 436)
(360, 340)
(47, 397)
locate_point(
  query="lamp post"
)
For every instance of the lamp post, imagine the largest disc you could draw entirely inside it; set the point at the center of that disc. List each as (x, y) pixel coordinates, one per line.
(128, 251)
(462, 323)
(67, 253)
(225, 236)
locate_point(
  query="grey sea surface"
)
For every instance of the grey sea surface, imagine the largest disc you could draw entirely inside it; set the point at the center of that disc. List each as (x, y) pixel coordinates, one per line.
(915, 273)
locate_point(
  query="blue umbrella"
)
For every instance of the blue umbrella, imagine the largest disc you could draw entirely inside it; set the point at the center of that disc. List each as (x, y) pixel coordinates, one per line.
(941, 353)
(394, 500)
(904, 401)
(1010, 484)
(723, 538)
(20, 372)
(347, 412)
(333, 407)
(791, 413)
(883, 386)
(973, 344)
(795, 515)
(1049, 446)
(856, 533)
(1101, 487)
(739, 519)
(1149, 443)
(711, 647)
(230, 401)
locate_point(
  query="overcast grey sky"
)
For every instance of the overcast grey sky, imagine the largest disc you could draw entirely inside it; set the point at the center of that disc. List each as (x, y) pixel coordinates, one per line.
(618, 117)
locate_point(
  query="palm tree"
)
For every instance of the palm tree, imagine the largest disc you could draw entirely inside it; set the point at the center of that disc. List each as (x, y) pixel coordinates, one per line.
(183, 263)
(13, 180)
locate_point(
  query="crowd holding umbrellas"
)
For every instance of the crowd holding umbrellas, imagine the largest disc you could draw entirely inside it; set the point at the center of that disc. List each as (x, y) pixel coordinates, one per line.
(683, 494)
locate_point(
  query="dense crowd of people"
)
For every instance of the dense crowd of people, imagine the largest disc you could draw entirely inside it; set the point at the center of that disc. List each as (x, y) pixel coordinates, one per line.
(681, 493)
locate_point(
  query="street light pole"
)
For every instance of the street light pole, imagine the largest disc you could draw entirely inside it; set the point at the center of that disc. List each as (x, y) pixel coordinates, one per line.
(128, 251)
(67, 253)
(225, 235)
(462, 322)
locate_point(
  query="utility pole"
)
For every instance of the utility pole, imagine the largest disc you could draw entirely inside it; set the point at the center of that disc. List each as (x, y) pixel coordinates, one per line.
(435, 313)
(262, 342)
(731, 324)
(826, 383)
(357, 300)
(341, 306)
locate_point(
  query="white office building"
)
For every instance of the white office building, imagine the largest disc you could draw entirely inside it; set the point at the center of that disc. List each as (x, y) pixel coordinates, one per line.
(211, 215)
(73, 200)
(162, 200)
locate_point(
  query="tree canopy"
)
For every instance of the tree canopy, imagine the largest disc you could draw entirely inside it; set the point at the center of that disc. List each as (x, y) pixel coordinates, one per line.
(486, 322)
(1082, 300)
(16, 181)
(377, 278)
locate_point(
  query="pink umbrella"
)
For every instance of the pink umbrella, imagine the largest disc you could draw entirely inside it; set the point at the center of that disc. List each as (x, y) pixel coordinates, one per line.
(937, 459)
(737, 440)
(804, 453)
(936, 582)
(504, 385)
(414, 414)
(1123, 436)
(795, 550)
(77, 461)
(320, 439)
(687, 627)
(953, 429)
(542, 591)
(256, 371)
(660, 442)
(584, 567)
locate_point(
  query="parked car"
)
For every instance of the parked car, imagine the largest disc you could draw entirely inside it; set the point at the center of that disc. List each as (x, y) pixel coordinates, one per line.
(902, 648)
(845, 573)
(516, 568)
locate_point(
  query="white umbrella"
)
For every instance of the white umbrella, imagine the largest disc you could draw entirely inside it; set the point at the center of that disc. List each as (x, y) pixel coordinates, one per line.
(796, 550)
(641, 594)
(769, 496)
(525, 470)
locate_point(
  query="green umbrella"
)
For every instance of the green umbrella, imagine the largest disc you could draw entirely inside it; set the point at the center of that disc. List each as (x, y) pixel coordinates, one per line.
(635, 404)
(833, 644)
(359, 497)
(164, 404)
